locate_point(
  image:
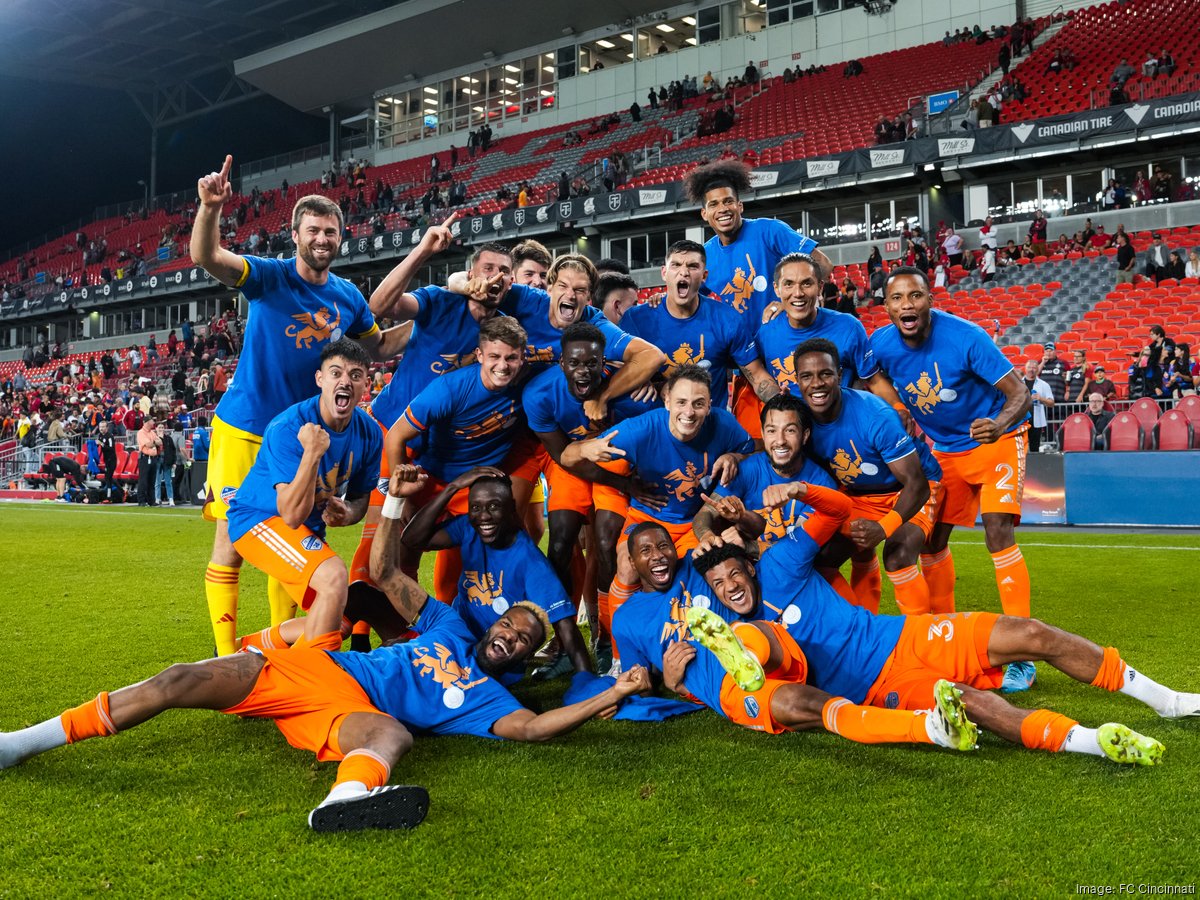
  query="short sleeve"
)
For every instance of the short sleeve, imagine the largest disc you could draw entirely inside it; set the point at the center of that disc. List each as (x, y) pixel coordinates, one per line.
(537, 400)
(282, 451)
(864, 357)
(616, 341)
(364, 323)
(745, 344)
(985, 359)
(367, 476)
(432, 404)
(891, 440)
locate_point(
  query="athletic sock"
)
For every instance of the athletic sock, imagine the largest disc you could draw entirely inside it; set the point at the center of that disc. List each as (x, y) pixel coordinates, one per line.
(938, 569)
(447, 570)
(360, 565)
(912, 593)
(1116, 675)
(754, 641)
(88, 720)
(331, 641)
(604, 613)
(1044, 729)
(360, 772)
(1012, 578)
(618, 593)
(838, 582)
(867, 583)
(283, 607)
(18, 746)
(267, 639)
(1083, 740)
(870, 725)
(221, 591)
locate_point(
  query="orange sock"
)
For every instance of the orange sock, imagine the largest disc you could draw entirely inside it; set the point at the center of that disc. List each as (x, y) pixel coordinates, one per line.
(329, 641)
(267, 639)
(867, 583)
(365, 767)
(360, 565)
(938, 569)
(360, 628)
(1044, 729)
(912, 593)
(88, 720)
(838, 582)
(618, 593)
(604, 612)
(447, 570)
(1111, 676)
(869, 725)
(1012, 578)
(754, 641)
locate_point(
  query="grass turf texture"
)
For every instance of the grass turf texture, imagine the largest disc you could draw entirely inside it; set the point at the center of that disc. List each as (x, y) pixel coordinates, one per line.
(196, 803)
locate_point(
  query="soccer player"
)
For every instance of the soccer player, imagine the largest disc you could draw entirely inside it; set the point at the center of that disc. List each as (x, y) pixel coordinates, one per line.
(678, 451)
(891, 479)
(798, 282)
(656, 629)
(695, 330)
(468, 418)
(501, 563)
(297, 307)
(896, 661)
(317, 466)
(615, 295)
(740, 254)
(359, 708)
(531, 261)
(967, 397)
(786, 424)
(445, 334)
(555, 403)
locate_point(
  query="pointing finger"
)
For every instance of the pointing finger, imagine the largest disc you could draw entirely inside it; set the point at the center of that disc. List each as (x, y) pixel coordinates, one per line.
(228, 165)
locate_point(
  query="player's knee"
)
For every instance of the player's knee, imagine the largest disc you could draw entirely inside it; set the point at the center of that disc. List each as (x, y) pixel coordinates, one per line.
(394, 740)
(1032, 637)
(178, 680)
(331, 577)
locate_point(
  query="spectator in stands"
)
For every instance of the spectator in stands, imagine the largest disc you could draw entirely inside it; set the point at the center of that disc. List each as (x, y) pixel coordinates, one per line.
(883, 130)
(987, 267)
(985, 112)
(848, 298)
(971, 119)
(852, 69)
(1166, 62)
(1179, 378)
(1145, 375)
(1117, 95)
(1100, 383)
(1037, 234)
(1141, 189)
(1150, 65)
(1175, 268)
(1100, 415)
(1161, 348)
(220, 382)
(57, 432)
(1156, 258)
(1077, 377)
(1043, 399)
(952, 246)
(1053, 371)
(1122, 73)
(1126, 259)
(750, 76)
(1160, 187)
(1191, 268)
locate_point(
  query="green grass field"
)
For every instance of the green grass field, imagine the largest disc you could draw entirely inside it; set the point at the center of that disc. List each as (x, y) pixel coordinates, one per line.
(199, 804)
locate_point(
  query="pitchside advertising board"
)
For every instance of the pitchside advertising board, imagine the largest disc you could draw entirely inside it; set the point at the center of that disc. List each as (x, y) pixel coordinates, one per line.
(1011, 140)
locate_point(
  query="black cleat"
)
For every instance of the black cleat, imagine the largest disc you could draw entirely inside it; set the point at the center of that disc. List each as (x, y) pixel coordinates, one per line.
(390, 806)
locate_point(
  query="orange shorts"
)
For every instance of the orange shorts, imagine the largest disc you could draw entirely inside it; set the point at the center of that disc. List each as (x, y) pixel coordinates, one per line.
(876, 506)
(289, 555)
(682, 535)
(747, 408)
(524, 460)
(753, 709)
(934, 646)
(308, 695)
(989, 478)
(610, 499)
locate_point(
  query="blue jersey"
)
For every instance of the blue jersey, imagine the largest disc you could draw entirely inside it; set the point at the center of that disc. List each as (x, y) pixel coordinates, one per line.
(755, 475)
(949, 381)
(741, 273)
(714, 337)
(866, 436)
(550, 405)
(432, 683)
(494, 578)
(646, 624)
(465, 425)
(444, 337)
(350, 466)
(531, 307)
(290, 323)
(679, 471)
(846, 646)
(778, 340)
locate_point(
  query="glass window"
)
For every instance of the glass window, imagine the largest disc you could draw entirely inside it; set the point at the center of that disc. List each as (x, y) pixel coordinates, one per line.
(881, 219)
(566, 62)
(822, 224)
(828, 6)
(778, 11)
(999, 199)
(1025, 197)
(852, 222)
(708, 28)
(1054, 195)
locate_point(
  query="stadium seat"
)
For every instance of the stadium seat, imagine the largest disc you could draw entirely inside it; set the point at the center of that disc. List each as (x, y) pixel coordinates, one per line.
(1147, 412)
(1175, 432)
(1077, 434)
(1124, 433)
(1190, 407)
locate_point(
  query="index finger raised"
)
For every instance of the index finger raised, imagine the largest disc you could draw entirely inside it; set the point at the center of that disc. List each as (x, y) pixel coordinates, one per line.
(227, 165)
(450, 219)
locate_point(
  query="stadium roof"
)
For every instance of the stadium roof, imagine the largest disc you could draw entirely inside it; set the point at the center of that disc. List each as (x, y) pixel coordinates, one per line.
(310, 55)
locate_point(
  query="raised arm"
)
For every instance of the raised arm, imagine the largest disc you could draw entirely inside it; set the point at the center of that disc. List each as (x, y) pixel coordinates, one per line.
(760, 379)
(422, 532)
(390, 298)
(406, 596)
(214, 192)
(641, 362)
(524, 725)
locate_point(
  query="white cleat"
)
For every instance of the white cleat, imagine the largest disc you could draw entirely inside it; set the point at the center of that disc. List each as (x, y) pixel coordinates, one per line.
(390, 806)
(1182, 705)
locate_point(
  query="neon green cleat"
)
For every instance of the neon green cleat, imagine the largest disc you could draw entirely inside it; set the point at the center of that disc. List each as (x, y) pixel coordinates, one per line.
(1122, 744)
(947, 724)
(714, 633)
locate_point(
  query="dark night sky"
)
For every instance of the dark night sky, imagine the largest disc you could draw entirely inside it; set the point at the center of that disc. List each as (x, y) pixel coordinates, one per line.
(67, 149)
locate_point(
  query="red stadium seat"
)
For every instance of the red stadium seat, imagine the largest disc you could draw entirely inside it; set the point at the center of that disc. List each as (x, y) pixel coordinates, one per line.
(1175, 432)
(1147, 412)
(1190, 407)
(1078, 434)
(1124, 433)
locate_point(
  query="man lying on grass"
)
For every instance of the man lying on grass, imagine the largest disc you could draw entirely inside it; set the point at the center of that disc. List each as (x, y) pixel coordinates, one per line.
(355, 707)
